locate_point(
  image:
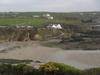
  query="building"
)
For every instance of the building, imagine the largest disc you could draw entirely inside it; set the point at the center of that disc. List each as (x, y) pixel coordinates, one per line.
(55, 26)
(48, 16)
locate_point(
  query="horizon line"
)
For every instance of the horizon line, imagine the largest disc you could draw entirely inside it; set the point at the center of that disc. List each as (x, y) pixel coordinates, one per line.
(53, 11)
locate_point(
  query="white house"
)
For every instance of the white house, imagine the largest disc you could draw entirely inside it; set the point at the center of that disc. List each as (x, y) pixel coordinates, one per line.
(59, 26)
(55, 26)
(48, 16)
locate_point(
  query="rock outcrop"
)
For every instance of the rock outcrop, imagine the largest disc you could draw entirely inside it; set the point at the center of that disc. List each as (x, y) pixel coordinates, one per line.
(17, 33)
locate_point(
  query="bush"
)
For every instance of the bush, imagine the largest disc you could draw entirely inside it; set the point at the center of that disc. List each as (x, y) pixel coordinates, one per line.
(48, 67)
(93, 71)
(67, 70)
(59, 69)
(21, 69)
(6, 69)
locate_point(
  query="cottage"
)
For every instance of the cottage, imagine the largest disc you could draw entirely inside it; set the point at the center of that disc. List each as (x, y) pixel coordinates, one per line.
(55, 26)
(59, 26)
(48, 16)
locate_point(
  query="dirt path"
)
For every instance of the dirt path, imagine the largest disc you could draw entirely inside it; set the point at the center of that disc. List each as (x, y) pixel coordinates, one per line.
(34, 51)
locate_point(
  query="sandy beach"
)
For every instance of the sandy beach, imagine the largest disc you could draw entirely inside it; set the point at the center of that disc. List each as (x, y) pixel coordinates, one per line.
(34, 51)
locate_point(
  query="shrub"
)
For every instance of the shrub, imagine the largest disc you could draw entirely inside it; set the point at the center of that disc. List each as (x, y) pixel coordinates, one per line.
(93, 71)
(67, 70)
(48, 67)
(59, 69)
(6, 69)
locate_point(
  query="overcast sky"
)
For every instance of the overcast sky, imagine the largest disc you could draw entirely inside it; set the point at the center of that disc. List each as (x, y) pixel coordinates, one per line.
(50, 5)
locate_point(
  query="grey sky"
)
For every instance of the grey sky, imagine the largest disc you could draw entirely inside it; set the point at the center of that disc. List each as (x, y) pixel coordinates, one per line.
(50, 5)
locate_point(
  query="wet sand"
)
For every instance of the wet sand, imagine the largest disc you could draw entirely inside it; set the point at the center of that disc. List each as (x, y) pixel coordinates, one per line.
(34, 51)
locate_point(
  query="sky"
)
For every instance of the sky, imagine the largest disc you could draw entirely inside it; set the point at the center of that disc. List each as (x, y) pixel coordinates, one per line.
(49, 5)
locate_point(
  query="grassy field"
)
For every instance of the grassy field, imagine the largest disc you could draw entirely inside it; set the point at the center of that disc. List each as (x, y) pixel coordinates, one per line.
(26, 18)
(22, 21)
(35, 22)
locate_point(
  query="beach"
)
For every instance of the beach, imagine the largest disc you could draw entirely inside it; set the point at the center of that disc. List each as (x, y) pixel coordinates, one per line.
(34, 51)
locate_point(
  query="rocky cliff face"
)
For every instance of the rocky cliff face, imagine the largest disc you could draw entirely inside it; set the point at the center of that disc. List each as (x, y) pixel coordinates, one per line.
(17, 33)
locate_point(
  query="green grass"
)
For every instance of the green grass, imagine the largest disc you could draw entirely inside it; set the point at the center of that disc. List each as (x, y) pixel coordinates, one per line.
(22, 21)
(35, 22)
